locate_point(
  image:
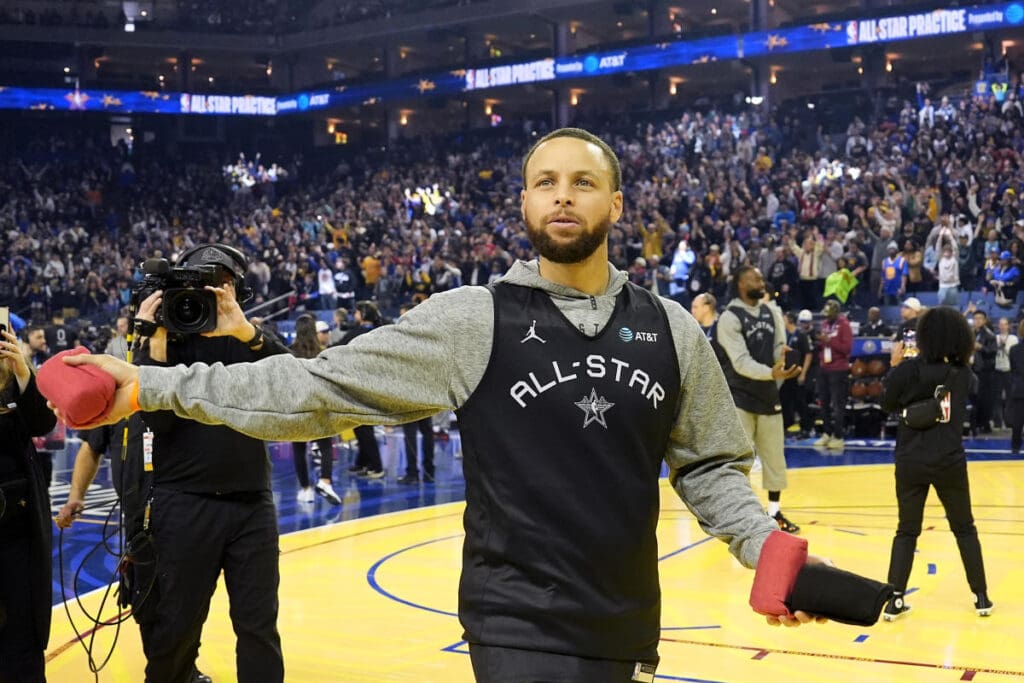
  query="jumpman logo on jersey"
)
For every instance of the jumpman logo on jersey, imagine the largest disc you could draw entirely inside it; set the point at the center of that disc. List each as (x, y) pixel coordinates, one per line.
(594, 408)
(532, 334)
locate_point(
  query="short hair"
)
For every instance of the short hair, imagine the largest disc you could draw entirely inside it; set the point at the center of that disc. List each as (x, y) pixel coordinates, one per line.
(943, 336)
(580, 134)
(709, 299)
(368, 309)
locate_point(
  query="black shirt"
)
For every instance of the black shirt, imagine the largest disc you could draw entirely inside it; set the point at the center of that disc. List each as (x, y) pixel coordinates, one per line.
(198, 458)
(914, 380)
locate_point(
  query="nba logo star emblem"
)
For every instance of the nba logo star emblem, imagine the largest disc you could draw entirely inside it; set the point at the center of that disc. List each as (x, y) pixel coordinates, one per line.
(594, 407)
(532, 334)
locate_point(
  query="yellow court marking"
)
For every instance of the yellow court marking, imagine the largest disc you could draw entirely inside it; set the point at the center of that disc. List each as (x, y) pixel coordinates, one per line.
(374, 599)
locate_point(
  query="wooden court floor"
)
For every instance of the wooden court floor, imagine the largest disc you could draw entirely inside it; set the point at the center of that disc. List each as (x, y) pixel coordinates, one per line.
(374, 599)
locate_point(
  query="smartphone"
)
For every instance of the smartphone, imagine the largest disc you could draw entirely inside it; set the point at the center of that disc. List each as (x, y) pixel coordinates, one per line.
(5, 318)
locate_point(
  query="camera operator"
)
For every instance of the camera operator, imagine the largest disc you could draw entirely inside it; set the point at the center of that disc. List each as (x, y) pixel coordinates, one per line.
(211, 507)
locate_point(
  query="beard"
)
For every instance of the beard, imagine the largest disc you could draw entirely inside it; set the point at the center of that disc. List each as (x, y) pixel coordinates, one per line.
(577, 250)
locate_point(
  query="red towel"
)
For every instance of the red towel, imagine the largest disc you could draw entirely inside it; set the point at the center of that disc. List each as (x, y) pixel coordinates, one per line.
(782, 557)
(83, 394)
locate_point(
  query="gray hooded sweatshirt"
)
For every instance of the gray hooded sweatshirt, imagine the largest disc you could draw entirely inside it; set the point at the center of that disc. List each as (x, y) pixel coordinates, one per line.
(431, 361)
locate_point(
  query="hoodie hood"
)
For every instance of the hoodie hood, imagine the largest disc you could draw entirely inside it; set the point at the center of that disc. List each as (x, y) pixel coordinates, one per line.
(527, 274)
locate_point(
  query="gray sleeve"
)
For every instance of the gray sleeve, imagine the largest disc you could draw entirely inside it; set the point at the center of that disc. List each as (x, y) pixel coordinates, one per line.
(729, 335)
(429, 361)
(709, 455)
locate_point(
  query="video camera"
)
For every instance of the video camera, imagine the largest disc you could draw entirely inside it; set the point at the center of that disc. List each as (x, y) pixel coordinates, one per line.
(187, 307)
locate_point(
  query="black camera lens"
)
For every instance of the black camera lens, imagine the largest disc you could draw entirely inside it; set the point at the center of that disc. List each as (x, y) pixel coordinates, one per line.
(189, 311)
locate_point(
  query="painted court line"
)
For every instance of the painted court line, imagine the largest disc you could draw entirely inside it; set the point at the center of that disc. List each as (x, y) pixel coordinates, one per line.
(761, 653)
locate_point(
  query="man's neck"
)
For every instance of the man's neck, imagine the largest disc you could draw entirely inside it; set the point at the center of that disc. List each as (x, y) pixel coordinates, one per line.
(589, 276)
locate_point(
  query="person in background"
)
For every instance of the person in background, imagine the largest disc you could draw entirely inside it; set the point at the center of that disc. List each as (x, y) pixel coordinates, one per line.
(704, 312)
(835, 341)
(1014, 407)
(1005, 341)
(933, 456)
(308, 344)
(118, 344)
(368, 463)
(907, 332)
(793, 392)
(947, 271)
(323, 333)
(750, 342)
(894, 276)
(26, 534)
(984, 367)
(874, 326)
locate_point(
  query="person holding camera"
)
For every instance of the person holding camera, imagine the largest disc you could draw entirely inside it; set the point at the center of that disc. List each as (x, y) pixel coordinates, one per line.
(211, 507)
(930, 393)
(26, 535)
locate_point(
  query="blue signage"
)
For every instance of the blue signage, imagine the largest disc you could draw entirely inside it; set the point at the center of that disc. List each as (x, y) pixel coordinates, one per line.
(130, 102)
(819, 36)
(854, 32)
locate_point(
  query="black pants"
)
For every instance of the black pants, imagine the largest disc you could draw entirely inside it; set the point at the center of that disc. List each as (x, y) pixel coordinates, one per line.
(832, 390)
(21, 648)
(1015, 415)
(810, 294)
(195, 537)
(369, 451)
(326, 446)
(984, 400)
(913, 480)
(508, 665)
(426, 428)
(1000, 398)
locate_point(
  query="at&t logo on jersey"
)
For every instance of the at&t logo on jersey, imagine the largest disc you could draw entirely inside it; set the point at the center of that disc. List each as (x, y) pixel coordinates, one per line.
(627, 335)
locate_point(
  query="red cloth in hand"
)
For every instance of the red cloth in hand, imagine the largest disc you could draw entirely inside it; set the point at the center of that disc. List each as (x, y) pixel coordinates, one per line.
(782, 557)
(82, 393)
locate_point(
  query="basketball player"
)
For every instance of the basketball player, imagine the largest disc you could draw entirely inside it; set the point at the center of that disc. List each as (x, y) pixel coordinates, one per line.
(565, 423)
(750, 341)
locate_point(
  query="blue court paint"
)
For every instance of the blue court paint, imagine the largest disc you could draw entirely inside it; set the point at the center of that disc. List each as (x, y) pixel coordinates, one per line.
(910, 590)
(932, 569)
(861, 638)
(371, 576)
(688, 628)
(459, 648)
(685, 548)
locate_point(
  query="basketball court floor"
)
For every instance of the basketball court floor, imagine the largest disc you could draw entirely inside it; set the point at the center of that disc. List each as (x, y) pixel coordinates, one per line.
(368, 588)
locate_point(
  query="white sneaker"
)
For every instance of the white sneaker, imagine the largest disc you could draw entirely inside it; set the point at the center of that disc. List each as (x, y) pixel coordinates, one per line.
(325, 489)
(305, 495)
(823, 440)
(836, 443)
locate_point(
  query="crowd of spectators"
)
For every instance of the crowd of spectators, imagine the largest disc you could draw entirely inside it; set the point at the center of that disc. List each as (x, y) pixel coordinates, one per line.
(926, 197)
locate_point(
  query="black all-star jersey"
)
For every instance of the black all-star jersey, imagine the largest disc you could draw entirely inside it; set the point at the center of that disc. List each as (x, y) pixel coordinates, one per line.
(563, 442)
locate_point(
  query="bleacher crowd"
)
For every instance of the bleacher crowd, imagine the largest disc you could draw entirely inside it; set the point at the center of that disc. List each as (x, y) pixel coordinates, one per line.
(924, 201)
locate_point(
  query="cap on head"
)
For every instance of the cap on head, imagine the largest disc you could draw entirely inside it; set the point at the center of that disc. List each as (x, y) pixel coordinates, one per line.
(321, 326)
(805, 316)
(913, 303)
